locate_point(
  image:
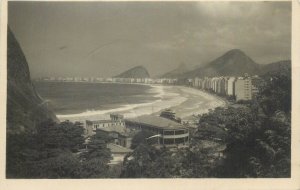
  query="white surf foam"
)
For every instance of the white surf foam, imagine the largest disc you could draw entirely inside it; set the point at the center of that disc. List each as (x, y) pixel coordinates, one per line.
(132, 110)
(185, 101)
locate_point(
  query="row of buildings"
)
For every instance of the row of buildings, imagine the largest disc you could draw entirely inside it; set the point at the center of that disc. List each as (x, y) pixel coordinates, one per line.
(110, 80)
(242, 88)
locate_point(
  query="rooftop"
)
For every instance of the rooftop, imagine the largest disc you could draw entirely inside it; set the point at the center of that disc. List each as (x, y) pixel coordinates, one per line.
(117, 128)
(117, 148)
(158, 122)
(104, 121)
(116, 115)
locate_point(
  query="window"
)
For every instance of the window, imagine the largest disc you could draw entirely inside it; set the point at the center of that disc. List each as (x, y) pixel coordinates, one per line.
(179, 141)
(168, 141)
(179, 132)
(168, 132)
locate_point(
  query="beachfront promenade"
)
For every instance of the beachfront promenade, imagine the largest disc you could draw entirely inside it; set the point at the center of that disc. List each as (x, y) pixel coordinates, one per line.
(240, 88)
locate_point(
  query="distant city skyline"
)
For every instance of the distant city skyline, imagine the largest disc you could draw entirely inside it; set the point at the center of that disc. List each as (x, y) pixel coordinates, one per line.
(103, 39)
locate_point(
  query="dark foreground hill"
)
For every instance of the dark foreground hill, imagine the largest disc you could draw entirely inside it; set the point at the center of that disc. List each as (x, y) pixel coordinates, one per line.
(136, 72)
(25, 109)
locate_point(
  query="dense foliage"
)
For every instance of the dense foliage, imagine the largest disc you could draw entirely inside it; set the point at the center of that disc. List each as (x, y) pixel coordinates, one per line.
(259, 135)
(276, 94)
(141, 138)
(149, 162)
(56, 151)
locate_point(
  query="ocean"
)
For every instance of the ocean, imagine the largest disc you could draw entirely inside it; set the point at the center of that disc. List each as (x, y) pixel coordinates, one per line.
(73, 98)
(94, 101)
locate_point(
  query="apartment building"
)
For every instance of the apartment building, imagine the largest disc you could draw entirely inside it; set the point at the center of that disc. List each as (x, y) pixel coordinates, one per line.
(243, 88)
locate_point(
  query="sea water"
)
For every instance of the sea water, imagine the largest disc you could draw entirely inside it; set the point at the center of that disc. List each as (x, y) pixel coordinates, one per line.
(73, 98)
(93, 101)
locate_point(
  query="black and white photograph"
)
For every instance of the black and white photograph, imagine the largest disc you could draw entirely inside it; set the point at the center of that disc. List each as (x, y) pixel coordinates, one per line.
(148, 90)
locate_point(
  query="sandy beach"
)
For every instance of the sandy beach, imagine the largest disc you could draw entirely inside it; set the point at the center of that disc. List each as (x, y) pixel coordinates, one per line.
(197, 102)
(185, 101)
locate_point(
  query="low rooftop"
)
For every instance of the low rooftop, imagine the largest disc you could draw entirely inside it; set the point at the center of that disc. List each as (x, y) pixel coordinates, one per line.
(116, 128)
(118, 149)
(102, 121)
(157, 122)
(116, 115)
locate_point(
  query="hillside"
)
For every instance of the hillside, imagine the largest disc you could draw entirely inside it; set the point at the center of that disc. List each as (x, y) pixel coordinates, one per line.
(136, 72)
(233, 63)
(283, 67)
(25, 108)
(181, 69)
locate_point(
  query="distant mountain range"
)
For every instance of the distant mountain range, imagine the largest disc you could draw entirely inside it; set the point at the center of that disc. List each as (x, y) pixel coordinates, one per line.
(180, 70)
(233, 63)
(283, 67)
(136, 72)
(25, 108)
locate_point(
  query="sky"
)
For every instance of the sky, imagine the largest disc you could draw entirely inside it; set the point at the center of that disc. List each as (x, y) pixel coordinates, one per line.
(103, 39)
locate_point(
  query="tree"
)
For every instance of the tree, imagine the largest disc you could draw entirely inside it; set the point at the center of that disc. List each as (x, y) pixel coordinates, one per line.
(139, 163)
(64, 165)
(257, 146)
(19, 149)
(95, 160)
(49, 152)
(141, 138)
(276, 93)
(149, 162)
(94, 168)
(97, 148)
(65, 135)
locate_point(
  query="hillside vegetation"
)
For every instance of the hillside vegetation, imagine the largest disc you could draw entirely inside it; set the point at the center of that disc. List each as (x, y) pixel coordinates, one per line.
(25, 109)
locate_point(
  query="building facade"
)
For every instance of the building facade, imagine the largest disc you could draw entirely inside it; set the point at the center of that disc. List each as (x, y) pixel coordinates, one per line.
(167, 131)
(243, 88)
(230, 90)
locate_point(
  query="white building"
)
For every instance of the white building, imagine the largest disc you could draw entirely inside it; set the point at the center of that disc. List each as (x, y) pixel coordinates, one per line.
(243, 88)
(230, 91)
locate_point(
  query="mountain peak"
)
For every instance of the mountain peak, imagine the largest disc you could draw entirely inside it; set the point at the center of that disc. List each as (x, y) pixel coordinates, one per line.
(232, 63)
(139, 67)
(135, 72)
(235, 51)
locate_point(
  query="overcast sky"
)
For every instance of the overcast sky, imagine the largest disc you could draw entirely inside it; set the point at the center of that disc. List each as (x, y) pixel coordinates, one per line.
(106, 38)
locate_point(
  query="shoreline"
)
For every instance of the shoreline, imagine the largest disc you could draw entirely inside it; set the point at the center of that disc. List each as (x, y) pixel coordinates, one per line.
(211, 102)
(187, 102)
(97, 82)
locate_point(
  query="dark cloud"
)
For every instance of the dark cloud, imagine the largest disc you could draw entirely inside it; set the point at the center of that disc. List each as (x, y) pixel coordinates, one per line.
(62, 47)
(106, 38)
